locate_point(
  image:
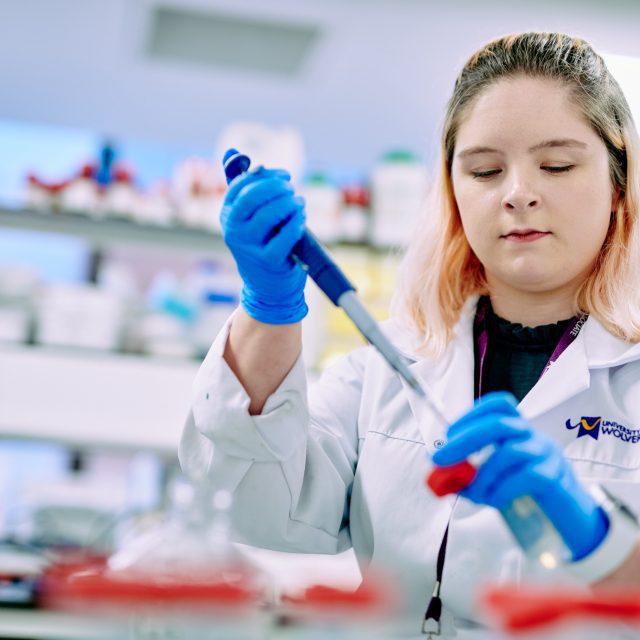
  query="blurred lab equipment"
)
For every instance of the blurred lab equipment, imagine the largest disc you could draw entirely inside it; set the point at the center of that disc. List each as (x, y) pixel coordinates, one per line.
(266, 145)
(321, 611)
(198, 190)
(82, 193)
(354, 219)
(181, 576)
(399, 183)
(18, 289)
(323, 207)
(76, 315)
(535, 612)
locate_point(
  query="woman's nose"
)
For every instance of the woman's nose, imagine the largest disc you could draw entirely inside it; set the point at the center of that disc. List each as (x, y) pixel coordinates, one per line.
(520, 196)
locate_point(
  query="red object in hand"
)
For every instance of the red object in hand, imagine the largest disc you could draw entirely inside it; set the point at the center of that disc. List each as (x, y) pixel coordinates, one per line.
(451, 479)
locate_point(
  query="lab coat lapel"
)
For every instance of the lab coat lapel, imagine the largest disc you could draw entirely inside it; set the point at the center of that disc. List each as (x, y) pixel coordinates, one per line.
(449, 381)
(594, 348)
(567, 376)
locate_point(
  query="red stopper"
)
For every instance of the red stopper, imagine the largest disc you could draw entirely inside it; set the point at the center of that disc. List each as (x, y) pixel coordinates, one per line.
(451, 479)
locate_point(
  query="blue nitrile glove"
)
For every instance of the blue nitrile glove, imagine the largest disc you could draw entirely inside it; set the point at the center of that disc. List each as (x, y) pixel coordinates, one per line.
(524, 462)
(262, 219)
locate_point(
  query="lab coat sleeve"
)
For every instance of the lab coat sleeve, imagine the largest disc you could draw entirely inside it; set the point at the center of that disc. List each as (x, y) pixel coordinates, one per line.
(291, 468)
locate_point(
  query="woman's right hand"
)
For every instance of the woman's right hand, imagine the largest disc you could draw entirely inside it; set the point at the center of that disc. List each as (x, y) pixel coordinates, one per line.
(262, 219)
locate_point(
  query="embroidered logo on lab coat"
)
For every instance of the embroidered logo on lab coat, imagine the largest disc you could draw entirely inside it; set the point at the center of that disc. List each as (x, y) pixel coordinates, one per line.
(596, 426)
(588, 426)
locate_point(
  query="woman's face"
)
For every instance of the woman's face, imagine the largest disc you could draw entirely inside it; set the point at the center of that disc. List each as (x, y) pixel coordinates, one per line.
(531, 179)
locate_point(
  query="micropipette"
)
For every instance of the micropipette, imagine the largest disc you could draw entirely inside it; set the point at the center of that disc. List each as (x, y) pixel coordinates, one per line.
(313, 258)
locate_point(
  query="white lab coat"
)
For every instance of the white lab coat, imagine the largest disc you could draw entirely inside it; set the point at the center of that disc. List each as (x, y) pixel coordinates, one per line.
(348, 467)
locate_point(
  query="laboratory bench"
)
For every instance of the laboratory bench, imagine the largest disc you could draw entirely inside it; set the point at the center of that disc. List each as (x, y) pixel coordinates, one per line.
(47, 625)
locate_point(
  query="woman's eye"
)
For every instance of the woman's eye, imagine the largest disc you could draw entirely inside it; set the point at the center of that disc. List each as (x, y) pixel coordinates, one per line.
(562, 169)
(485, 174)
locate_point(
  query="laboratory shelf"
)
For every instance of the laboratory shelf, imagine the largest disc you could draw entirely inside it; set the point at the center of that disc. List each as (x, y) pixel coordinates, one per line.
(94, 399)
(111, 231)
(105, 232)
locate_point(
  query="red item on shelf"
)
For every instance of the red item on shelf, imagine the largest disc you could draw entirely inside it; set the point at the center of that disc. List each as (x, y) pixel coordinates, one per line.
(51, 187)
(452, 479)
(122, 174)
(88, 171)
(356, 195)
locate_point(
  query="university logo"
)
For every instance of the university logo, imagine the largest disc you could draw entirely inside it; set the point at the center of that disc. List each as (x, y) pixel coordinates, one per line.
(588, 426)
(596, 426)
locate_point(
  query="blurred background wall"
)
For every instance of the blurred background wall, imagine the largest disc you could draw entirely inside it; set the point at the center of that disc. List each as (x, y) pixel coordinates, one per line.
(355, 76)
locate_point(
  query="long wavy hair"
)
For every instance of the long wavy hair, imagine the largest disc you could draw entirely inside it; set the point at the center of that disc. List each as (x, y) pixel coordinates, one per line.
(440, 273)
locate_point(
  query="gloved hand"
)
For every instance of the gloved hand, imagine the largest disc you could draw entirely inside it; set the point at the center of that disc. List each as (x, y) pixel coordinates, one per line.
(262, 219)
(524, 462)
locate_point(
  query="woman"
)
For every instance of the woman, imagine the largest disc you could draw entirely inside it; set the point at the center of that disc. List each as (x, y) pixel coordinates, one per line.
(524, 278)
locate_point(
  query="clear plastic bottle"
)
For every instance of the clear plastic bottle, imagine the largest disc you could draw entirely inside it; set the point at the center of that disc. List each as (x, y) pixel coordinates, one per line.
(530, 526)
(535, 533)
(192, 548)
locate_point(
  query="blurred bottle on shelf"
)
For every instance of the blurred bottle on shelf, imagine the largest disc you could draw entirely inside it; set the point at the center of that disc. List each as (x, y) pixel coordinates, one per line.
(82, 194)
(155, 205)
(354, 218)
(199, 187)
(120, 195)
(185, 314)
(162, 327)
(79, 315)
(216, 290)
(398, 189)
(274, 147)
(41, 195)
(323, 202)
(19, 287)
(103, 172)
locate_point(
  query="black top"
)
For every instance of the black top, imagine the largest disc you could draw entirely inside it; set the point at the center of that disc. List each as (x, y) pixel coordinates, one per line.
(516, 355)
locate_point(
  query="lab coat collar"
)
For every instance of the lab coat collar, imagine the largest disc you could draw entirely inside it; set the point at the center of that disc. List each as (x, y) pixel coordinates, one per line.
(450, 378)
(605, 350)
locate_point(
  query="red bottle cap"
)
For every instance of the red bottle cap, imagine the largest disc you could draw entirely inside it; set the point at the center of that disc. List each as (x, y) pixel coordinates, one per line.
(451, 479)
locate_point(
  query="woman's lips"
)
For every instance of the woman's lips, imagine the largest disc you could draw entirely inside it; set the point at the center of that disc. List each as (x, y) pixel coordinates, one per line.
(528, 236)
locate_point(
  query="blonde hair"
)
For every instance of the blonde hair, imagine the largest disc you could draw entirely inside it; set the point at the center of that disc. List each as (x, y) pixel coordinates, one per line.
(440, 273)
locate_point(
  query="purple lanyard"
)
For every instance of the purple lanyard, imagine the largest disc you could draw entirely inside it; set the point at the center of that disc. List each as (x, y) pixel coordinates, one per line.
(482, 340)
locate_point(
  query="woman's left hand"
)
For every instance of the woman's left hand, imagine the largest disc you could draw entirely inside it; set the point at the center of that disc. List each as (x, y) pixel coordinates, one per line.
(523, 462)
